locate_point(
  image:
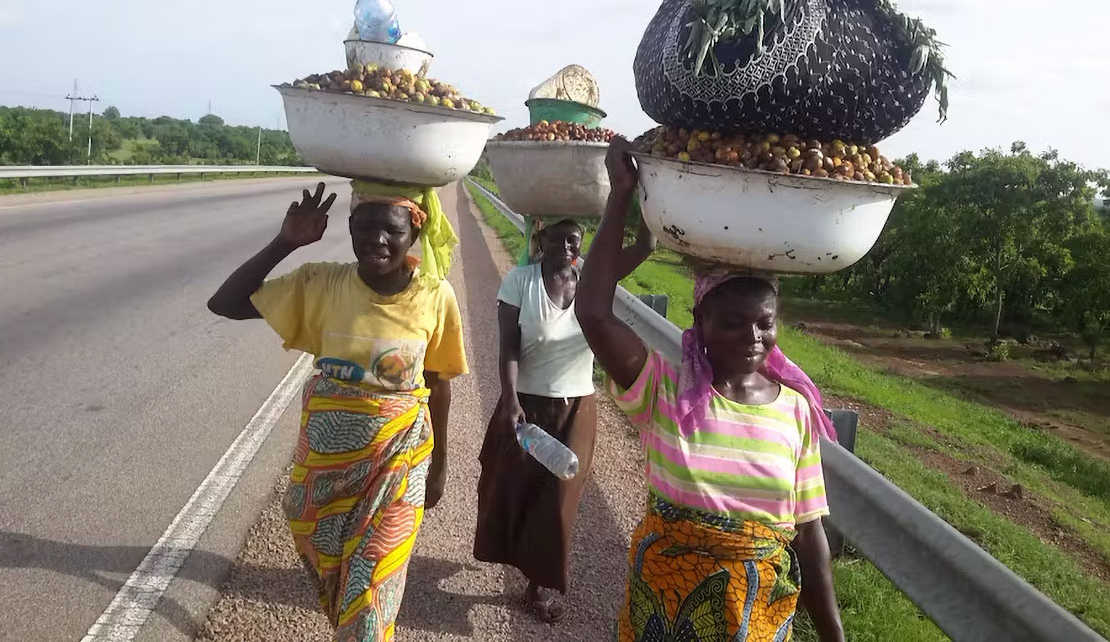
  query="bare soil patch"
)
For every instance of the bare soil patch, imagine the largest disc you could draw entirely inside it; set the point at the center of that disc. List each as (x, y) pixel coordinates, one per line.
(1076, 408)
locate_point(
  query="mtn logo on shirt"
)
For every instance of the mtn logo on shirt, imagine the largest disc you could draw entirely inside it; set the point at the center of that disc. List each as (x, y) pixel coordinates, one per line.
(342, 370)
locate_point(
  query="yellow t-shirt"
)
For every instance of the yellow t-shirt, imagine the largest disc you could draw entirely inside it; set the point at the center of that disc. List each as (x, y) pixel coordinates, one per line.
(356, 334)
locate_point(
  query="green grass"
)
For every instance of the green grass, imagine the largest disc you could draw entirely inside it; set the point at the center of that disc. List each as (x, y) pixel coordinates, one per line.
(1052, 571)
(1078, 483)
(34, 185)
(1083, 371)
(510, 237)
(855, 312)
(872, 609)
(128, 149)
(486, 183)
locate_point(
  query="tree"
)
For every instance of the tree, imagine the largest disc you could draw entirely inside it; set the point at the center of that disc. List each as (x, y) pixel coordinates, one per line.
(40, 137)
(909, 208)
(1085, 290)
(930, 267)
(1020, 209)
(173, 137)
(34, 137)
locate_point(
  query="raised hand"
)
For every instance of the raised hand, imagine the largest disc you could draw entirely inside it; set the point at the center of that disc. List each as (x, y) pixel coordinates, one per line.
(623, 174)
(306, 221)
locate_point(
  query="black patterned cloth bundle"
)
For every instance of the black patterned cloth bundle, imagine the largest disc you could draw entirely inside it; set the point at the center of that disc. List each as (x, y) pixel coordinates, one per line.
(854, 70)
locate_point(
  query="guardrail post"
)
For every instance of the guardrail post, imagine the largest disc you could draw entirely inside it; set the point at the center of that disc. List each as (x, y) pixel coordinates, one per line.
(846, 423)
(657, 302)
(118, 177)
(23, 183)
(152, 179)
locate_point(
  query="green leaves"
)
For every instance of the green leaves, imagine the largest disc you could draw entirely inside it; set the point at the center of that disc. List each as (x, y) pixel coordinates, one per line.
(724, 20)
(928, 53)
(1085, 289)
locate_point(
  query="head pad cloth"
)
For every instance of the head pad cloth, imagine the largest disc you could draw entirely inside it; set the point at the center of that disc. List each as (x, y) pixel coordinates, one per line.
(437, 238)
(533, 226)
(695, 380)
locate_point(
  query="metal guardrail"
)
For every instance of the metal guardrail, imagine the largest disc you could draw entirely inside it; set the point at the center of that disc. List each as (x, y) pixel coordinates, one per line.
(62, 171)
(967, 593)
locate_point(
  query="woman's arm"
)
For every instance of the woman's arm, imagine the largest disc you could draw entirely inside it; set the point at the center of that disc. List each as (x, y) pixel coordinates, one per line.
(233, 299)
(635, 254)
(508, 321)
(304, 223)
(617, 348)
(818, 595)
(439, 409)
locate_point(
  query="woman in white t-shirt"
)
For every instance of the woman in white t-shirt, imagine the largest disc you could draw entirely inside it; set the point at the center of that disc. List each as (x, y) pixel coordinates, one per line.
(525, 514)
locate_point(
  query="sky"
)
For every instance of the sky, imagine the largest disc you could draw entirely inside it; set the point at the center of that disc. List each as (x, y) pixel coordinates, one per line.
(1027, 70)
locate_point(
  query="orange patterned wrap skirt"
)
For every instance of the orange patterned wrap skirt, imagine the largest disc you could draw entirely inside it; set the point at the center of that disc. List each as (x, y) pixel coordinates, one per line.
(707, 578)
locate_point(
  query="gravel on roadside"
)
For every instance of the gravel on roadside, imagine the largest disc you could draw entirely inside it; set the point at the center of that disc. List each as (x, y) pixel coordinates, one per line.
(450, 596)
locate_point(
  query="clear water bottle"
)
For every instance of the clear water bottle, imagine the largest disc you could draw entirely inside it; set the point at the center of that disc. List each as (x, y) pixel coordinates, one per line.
(549, 451)
(376, 21)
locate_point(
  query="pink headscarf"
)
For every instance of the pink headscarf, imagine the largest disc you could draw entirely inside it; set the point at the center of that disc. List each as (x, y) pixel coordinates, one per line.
(695, 380)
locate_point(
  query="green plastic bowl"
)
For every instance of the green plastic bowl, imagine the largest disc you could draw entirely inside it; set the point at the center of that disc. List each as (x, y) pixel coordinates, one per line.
(552, 109)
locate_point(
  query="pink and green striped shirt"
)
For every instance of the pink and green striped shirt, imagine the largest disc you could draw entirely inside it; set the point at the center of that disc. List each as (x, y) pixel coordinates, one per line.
(758, 463)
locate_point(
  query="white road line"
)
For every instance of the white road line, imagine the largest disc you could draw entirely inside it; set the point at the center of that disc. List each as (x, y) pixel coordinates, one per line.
(136, 600)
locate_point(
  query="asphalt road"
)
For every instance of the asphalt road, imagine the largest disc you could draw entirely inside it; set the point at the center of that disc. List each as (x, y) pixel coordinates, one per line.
(120, 391)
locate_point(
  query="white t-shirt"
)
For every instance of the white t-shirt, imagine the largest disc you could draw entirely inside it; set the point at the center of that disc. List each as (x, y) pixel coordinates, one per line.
(555, 360)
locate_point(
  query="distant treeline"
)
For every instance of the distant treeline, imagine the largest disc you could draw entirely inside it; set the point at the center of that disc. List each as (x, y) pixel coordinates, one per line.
(41, 137)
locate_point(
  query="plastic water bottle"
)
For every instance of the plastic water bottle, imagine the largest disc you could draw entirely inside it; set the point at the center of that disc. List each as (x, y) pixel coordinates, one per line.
(376, 21)
(549, 451)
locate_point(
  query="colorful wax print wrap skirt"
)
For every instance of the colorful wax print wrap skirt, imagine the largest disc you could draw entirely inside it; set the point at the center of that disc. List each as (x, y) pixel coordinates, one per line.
(356, 500)
(699, 577)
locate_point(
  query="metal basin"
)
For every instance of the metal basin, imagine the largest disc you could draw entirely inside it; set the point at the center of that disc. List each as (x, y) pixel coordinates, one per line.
(386, 56)
(762, 220)
(385, 140)
(558, 178)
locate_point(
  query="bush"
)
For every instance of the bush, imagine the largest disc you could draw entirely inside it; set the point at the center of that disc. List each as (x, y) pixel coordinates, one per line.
(940, 333)
(1000, 352)
(482, 170)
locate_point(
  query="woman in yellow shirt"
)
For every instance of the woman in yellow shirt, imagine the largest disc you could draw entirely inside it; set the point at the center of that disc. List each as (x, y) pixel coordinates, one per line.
(388, 339)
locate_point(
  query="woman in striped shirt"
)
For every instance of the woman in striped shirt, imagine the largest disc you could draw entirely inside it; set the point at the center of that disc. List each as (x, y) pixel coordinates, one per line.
(733, 464)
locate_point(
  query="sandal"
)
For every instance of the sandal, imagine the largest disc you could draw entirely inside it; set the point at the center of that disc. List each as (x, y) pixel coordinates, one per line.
(549, 609)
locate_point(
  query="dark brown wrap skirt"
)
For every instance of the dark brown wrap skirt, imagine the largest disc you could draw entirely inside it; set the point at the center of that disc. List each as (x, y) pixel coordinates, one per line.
(526, 515)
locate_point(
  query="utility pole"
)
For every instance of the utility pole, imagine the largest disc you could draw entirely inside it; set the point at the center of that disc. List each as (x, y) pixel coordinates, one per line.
(89, 99)
(258, 154)
(71, 101)
(88, 156)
